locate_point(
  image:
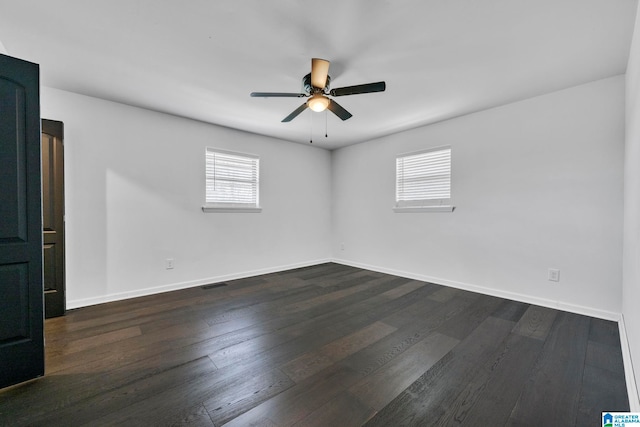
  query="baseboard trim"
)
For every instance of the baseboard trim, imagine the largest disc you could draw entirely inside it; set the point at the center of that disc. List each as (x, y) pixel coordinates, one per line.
(588, 311)
(558, 305)
(629, 373)
(78, 303)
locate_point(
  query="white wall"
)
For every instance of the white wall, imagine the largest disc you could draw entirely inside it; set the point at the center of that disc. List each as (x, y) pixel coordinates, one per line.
(631, 255)
(134, 191)
(536, 184)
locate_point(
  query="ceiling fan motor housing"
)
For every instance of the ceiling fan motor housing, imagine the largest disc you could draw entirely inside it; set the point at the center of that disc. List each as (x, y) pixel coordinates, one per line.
(308, 88)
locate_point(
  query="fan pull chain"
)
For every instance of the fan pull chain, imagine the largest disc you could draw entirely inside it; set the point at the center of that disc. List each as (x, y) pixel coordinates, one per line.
(310, 127)
(325, 123)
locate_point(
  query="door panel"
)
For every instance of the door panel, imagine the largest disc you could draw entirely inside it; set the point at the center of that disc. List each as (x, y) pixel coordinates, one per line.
(21, 291)
(53, 217)
(49, 259)
(13, 209)
(16, 322)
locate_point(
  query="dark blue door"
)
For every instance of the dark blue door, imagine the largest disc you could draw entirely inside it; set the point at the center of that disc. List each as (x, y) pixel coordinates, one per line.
(21, 290)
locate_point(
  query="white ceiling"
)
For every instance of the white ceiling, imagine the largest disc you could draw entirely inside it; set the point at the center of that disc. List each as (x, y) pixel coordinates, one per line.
(202, 58)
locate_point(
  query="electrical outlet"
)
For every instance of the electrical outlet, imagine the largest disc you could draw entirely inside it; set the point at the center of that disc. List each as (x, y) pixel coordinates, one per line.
(342, 246)
(554, 275)
(168, 263)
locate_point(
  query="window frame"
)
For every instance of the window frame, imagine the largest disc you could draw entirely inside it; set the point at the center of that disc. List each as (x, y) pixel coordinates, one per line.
(232, 206)
(444, 204)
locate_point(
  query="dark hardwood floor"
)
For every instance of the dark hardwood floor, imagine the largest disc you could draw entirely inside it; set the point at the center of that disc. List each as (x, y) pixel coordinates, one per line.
(328, 345)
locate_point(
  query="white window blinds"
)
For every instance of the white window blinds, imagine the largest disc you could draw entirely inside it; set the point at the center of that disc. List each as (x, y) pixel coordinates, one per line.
(232, 179)
(424, 178)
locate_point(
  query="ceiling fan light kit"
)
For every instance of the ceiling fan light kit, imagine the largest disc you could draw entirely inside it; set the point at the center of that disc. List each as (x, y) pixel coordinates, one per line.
(318, 102)
(316, 88)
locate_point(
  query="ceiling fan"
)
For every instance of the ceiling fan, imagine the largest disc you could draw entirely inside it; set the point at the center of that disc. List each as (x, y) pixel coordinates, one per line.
(315, 86)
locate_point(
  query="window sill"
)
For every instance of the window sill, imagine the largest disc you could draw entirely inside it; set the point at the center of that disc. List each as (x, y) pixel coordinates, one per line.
(410, 209)
(219, 209)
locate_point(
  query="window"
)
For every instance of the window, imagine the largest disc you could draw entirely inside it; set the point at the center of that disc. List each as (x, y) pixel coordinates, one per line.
(232, 181)
(423, 180)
